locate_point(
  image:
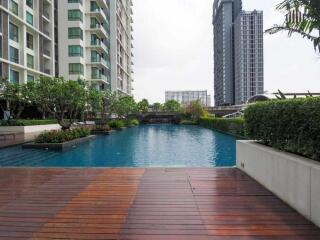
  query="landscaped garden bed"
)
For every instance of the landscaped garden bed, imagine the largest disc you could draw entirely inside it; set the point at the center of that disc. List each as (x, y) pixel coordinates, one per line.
(284, 154)
(61, 140)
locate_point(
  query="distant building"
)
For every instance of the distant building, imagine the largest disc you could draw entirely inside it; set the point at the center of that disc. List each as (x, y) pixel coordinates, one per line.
(238, 53)
(249, 76)
(224, 14)
(186, 97)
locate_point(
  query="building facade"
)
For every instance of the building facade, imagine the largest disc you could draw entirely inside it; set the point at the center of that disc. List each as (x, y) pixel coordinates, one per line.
(186, 97)
(249, 62)
(234, 48)
(75, 39)
(26, 39)
(224, 14)
(97, 46)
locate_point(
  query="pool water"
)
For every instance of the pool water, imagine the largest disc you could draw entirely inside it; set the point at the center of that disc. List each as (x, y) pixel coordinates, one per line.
(144, 146)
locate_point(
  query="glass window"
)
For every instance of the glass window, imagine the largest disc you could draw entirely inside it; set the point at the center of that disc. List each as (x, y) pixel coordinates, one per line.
(14, 7)
(75, 33)
(95, 57)
(14, 32)
(14, 76)
(75, 51)
(29, 3)
(29, 18)
(30, 61)
(75, 15)
(76, 68)
(14, 55)
(75, 1)
(30, 78)
(29, 41)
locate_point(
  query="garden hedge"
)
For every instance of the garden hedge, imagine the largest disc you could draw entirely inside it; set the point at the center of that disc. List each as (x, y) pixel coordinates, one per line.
(234, 126)
(289, 125)
(27, 122)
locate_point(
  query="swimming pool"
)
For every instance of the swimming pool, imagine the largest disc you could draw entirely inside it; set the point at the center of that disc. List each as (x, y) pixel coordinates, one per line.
(143, 146)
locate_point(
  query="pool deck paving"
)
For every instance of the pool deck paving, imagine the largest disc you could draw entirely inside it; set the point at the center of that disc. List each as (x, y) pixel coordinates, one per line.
(144, 204)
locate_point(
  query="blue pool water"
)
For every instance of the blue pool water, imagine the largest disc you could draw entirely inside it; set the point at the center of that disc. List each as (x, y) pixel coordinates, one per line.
(144, 146)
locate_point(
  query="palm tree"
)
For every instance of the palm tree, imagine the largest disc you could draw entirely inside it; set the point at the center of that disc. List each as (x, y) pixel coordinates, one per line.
(302, 17)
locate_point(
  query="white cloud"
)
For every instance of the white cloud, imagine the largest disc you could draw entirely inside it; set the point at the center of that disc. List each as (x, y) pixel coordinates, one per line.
(174, 49)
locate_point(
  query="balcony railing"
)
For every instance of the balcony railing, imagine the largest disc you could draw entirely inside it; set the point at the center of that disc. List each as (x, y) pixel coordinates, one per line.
(46, 52)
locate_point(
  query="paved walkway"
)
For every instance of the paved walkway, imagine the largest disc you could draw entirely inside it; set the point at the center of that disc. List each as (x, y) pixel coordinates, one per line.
(144, 204)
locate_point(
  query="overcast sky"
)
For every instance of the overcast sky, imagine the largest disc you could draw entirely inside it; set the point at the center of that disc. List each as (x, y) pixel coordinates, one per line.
(174, 49)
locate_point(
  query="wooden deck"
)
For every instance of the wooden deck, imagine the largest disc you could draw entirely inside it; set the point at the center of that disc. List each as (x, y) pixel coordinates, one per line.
(144, 204)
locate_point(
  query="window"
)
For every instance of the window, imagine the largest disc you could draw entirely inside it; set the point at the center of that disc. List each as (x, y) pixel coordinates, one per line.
(75, 1)
(30, 78)
(75, 33)
(95, 57)
(29, 41)
(14, 32)
(29, 18)
(30, 61)
(14, 55)
(75, 15)
(29, 3)
(14, 76)
(75, 51)
(76, 68)
(95, 73)
(14, 7)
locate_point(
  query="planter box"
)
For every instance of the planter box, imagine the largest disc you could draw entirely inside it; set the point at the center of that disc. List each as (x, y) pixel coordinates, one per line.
(100, 132)
(58, 146)
(30, 129)
(294, 179)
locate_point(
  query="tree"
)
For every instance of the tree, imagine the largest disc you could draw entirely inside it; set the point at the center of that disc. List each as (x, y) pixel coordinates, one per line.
(109, 101)
(125, 106)
(196, 110)
(65, 100)
(302, 17)
(143, 106)
(94, 102)
(13, 98)
(172, 106)
(157, 107)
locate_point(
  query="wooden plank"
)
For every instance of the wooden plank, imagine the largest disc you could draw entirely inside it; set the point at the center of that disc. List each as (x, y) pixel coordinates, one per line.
(151, 204)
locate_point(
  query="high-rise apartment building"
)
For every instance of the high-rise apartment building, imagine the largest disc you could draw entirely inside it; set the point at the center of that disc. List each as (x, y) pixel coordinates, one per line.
(224, 14)
(94, 42)
(75, 39)
(26, 39)
(234, 48)
(121, 45)
(249, 71)
(186, 97)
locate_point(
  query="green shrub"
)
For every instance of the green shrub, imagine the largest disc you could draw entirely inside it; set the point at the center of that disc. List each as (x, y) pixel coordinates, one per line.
(27, 122)
(133, 122)
(104, 127)
(116, 124)
(62, 136)
(234, 126)
(290, 125)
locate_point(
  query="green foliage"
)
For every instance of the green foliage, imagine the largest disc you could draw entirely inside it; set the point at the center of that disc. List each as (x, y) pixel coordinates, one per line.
(62, 136)
(172, 106)
(157, 107)
(289, 125)
(116, 124)
(196, 110)
(125, 106)
(302, 17)
(104, 127)
(132, 122)
(109, 104)
(27, 122)
(234, 126)
(143, 106)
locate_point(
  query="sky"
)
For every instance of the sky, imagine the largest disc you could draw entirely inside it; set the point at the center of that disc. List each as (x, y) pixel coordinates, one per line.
(173, 50)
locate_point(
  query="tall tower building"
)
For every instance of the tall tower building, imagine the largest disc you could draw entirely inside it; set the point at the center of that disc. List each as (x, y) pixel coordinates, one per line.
(238, 41)
(94, 42)
(121, 45)
(26, 39)
(249, 70)
(224, 15)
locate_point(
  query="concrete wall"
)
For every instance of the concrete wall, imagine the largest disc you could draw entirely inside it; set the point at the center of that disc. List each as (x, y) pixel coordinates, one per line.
(294, 179)
(31, 129)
